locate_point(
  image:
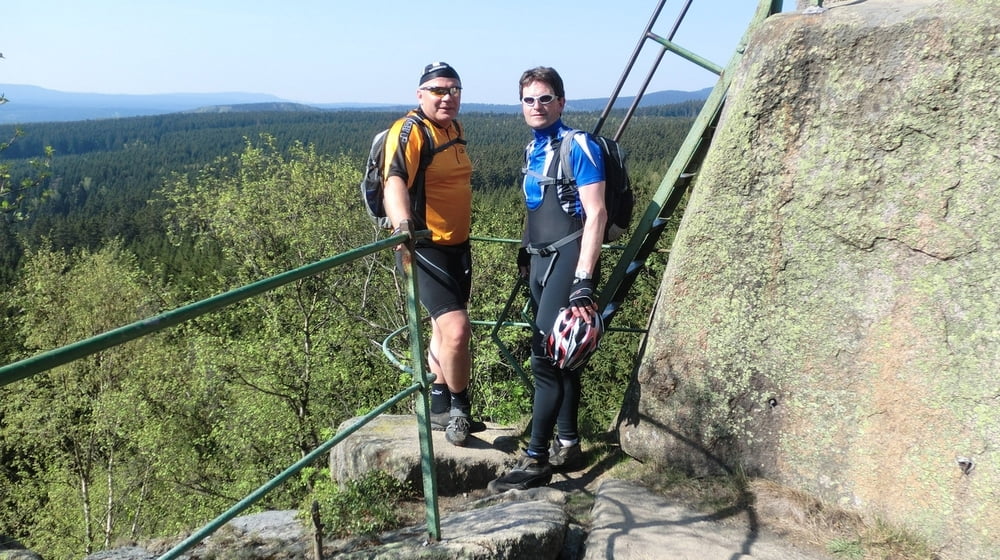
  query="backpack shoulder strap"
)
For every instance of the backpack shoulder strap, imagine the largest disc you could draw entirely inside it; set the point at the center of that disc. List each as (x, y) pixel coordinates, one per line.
(459, 139)
(428, 147)
(566, 144)
(542, 179)
(418, 198)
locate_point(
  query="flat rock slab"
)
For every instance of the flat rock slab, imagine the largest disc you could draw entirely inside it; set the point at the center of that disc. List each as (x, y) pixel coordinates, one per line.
(390, 443)
(630, 522)
(529, 530)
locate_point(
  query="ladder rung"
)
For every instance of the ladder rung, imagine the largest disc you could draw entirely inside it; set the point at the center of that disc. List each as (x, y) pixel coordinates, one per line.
(684, 180)
(644, 253)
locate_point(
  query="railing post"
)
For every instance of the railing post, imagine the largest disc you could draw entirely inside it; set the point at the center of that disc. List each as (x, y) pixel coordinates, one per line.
(417, 357)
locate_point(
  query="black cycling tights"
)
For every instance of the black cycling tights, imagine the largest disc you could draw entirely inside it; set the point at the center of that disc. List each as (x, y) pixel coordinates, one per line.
(557, 402)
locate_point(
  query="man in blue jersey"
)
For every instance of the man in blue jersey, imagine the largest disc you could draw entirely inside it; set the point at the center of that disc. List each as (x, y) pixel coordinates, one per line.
(564, 231)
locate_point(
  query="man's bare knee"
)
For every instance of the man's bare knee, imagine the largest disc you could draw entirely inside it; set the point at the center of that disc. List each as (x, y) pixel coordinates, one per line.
(453, 327)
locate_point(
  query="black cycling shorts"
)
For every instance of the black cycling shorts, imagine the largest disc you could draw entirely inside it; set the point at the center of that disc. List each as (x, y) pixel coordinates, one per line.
(444, 276)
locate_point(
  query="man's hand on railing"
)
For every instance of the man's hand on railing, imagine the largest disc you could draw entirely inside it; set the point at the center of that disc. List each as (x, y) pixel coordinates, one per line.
(405, 226)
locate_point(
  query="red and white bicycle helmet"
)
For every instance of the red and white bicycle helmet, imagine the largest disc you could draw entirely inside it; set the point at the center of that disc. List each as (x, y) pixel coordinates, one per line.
(572, 341)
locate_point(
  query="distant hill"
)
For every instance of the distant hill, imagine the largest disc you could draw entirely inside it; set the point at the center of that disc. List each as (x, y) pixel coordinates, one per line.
(35, 104)
(653, 99)
(650, 99)
(256, 107)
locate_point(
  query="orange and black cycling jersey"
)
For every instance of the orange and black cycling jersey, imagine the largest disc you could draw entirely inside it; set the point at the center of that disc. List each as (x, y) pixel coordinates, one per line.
(447, 180)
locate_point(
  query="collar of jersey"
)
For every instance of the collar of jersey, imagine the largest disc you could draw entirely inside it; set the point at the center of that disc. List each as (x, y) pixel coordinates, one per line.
(549, 132)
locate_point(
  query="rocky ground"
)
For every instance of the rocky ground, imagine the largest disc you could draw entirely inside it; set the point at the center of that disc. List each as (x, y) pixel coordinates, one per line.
(611, 508)
(603, 510)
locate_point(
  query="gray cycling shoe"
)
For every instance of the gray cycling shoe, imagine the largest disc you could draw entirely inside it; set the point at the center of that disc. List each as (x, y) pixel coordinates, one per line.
(457, 431)
(439, 423)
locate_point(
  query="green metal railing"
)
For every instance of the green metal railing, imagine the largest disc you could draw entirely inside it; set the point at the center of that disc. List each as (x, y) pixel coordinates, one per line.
(63, 355)
(432, 519)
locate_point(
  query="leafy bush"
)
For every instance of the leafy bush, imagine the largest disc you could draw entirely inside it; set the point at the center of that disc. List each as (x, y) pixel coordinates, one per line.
(364, 506)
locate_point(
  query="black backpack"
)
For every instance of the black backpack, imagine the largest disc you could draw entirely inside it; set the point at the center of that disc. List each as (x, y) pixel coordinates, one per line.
(373, 184)
(619, 198)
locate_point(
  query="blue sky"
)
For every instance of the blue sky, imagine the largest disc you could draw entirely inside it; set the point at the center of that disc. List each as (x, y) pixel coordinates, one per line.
(328, 51)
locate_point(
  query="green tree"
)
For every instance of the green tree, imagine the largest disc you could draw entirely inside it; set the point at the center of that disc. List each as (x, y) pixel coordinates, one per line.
(70, 426)
(305, 353)
(139, 440)
(162, 434)
(11, 195)
(13, 192)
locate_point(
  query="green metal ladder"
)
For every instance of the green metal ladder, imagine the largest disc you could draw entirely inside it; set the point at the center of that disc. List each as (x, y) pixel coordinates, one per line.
(686, 163)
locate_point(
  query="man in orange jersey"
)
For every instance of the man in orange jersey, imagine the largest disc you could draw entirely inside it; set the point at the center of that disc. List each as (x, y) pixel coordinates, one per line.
(438, 196)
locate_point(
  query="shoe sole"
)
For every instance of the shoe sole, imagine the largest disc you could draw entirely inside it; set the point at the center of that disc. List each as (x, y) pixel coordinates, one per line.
(574, 464)
(475, 426)
(571, 467)
(498, 488)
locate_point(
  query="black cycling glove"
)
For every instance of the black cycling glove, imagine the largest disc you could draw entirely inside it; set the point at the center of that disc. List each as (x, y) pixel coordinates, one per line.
(582, 293)
(523, 257)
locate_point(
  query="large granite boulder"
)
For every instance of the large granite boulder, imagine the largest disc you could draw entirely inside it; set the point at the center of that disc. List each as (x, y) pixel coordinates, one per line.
(830, 315)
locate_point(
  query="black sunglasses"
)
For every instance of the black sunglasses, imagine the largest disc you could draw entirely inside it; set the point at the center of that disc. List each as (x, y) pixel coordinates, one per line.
(443, 91)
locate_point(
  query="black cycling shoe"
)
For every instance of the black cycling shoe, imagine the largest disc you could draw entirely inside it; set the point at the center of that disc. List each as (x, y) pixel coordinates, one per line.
(529, 472)
(565, 458)
(440, 421)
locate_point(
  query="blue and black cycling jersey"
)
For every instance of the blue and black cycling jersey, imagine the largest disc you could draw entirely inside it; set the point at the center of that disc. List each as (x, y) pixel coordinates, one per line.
(542, 155)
